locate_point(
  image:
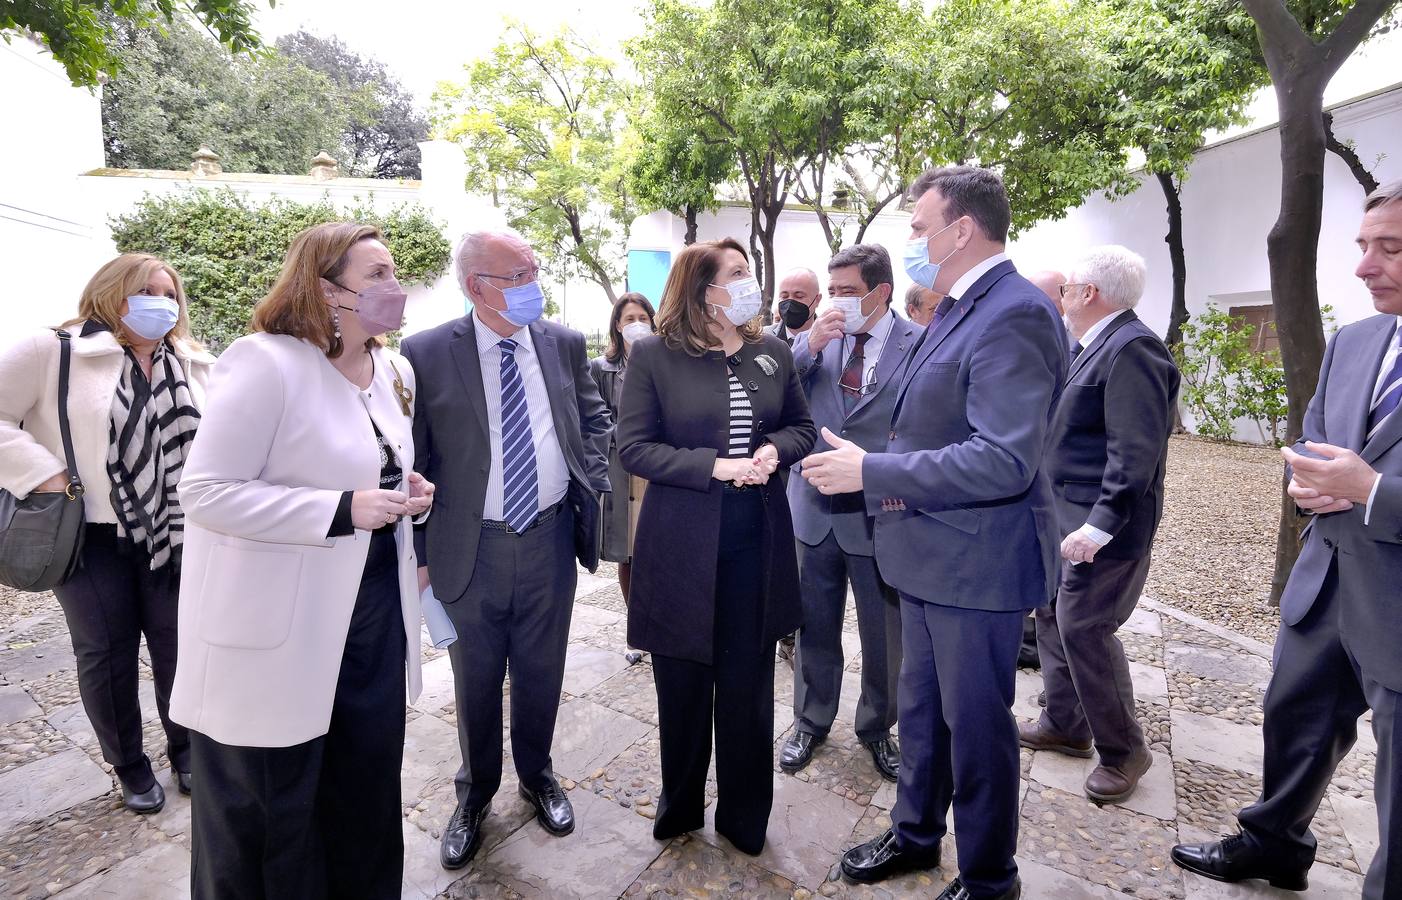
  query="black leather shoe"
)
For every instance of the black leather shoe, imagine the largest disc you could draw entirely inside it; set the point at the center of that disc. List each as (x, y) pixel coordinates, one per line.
(463, 835)
(955, 890)
(1239, 858)
(182, 782)
(1028, 658)
(797, 751)
(552, 807)
(146, 802)
(887, 757)
(880, 858)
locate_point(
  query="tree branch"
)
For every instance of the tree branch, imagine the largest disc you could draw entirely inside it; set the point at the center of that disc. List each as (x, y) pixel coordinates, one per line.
(1350, 156)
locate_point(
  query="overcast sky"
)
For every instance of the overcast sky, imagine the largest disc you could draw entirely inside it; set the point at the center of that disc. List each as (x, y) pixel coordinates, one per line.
(425, 41)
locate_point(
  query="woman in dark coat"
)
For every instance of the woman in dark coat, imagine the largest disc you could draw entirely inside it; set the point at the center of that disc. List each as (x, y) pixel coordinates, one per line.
(631, 320)
(712, 408)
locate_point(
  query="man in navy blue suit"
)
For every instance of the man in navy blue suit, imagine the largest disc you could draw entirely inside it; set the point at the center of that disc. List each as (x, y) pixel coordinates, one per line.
(965, 531)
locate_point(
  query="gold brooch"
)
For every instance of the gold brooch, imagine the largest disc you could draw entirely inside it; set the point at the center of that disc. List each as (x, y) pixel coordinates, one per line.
(406, 396)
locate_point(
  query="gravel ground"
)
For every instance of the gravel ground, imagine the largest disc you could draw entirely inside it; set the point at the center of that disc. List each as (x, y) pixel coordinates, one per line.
(1215, 547)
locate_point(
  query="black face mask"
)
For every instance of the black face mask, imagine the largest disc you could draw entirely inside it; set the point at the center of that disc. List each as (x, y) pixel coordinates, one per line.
(794, 313)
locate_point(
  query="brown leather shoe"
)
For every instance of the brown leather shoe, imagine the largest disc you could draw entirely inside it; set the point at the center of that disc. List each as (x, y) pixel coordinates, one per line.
(1035, 737)
(1113, 784)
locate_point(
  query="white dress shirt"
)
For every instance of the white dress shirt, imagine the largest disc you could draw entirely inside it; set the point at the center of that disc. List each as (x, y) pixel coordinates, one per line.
(871, 350)
(552, 474)
(1100, 537)
(967, 280)
(1389, 358)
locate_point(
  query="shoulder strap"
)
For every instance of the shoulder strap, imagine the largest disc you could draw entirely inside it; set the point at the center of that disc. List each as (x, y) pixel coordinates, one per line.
(65, 352)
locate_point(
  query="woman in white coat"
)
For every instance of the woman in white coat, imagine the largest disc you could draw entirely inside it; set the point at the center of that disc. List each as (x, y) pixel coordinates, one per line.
(299, 601)
(136, 384)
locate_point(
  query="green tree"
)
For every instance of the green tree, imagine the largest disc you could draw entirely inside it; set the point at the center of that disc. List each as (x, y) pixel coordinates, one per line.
(1184, 68)
(381, 141)
(675, 169)
(542, 122)
(84, 35)
(228, 250)
(180, 89)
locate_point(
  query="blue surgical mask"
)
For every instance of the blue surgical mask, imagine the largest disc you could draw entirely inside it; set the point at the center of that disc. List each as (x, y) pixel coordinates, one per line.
(745, 300)
(917, 259)
(150, 318)
(524, 303)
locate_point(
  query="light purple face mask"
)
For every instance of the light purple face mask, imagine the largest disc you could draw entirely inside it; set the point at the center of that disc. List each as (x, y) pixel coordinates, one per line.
(380, 306)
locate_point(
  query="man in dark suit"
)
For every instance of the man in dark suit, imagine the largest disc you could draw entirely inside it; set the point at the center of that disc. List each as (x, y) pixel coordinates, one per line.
(965, 531)
(850, 363)
(796, 307)
(1105, 454)
(512, 426)
(1338, 653)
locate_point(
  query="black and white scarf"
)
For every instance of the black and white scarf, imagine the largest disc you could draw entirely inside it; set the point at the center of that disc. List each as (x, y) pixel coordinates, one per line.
(152, 425)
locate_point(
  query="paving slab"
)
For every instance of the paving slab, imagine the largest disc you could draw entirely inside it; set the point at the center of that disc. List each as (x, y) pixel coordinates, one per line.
(1041, 882)
(16, 705)
(160, 873)
(72, 720)
(587, 667)
(1026, 686)
(439, 688)
(1213, 740)
(808, 831)
(1326, 883)
(1150, 682)
(588, 584)
(1144, 621)
(586, 619)
(49, 785)
(431, 754)
(30, 662)
(424, 878)
(1154, 797)
(1360, 821)
(588, 736)
(609, 848)
(1235, 666)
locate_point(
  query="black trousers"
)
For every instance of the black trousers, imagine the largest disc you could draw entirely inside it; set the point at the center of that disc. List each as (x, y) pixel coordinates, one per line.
(824, 573)
(1317, 691)
(735, 694)
(1089, 690)
(321, 819)
(516, 612)
(111, 600)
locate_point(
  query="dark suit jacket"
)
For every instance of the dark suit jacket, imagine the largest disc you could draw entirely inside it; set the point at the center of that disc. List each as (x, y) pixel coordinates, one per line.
(1369, 557)
(673, 421)
(1109, 437)
(963, 506)
(845, 515)
(453, 445)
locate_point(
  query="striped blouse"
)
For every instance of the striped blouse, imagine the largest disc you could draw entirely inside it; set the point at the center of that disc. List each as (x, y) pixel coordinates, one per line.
(741, 420)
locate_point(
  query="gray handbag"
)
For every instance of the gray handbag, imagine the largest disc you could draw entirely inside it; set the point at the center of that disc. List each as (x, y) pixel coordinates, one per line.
(41, 536)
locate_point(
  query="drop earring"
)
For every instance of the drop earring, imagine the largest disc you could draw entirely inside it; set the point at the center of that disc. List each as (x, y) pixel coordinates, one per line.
(336, 322)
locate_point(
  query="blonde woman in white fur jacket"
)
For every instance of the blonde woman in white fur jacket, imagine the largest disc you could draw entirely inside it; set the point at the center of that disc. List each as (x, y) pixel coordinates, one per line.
(136, 385)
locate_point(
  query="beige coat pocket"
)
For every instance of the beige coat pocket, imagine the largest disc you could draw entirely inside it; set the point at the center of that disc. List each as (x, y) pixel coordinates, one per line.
(248, 597)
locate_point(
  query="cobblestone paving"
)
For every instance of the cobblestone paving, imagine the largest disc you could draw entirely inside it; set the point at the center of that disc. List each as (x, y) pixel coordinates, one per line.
(62, 825)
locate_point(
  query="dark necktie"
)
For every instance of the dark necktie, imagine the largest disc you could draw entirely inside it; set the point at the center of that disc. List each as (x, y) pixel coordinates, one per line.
(942, 310)
(1388, 399)
(851, 379)
(520, 501)
(1076, 349)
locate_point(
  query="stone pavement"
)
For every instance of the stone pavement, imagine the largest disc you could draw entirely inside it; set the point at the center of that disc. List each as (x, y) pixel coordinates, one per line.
(63, 831)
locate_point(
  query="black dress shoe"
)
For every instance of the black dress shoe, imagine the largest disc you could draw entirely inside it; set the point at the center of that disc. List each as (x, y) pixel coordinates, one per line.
(552, 807)
(955, 890)
(887, 757)
(463, 835)
(880, 858)
(797, 751)
(1239, 858)
(182, 782)
(1028, 658)
(146, 802)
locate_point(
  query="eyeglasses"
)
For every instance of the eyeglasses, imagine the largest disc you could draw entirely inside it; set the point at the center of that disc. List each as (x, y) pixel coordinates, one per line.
(1070, 284)
(518, 278)
(868, 384)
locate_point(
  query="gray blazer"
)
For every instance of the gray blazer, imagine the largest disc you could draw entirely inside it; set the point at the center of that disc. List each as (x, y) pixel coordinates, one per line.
(1369, 557)
(453, 446)
(844, 515)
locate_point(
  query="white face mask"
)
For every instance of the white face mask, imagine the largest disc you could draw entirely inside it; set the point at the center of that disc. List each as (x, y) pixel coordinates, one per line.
(635, 331)
(745, 300)
(852, 316)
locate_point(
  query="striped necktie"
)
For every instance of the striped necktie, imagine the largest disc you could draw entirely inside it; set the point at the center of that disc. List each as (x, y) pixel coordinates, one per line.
(520, 500)
(1388, 397)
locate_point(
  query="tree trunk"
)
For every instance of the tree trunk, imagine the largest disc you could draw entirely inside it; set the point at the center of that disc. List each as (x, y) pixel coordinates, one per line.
(1293, 250)
(766, 237)
(690, 214)
(1360, 172)
(1178, 310)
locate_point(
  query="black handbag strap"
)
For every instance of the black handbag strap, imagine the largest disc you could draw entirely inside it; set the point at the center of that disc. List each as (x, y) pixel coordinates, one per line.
(65, 353)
